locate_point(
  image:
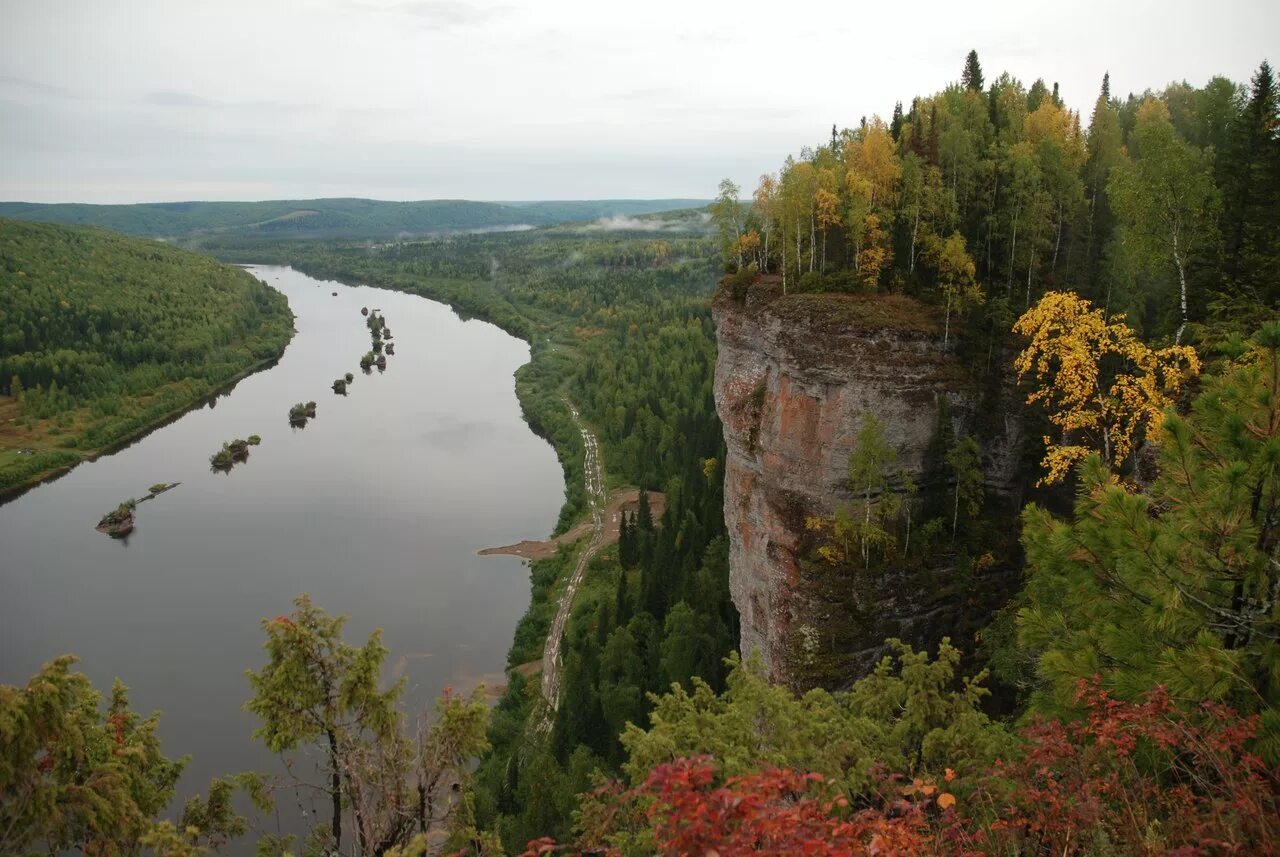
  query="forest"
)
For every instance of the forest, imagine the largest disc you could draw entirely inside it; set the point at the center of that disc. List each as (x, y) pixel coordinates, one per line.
(1119, 272)
(196, 224)
(983, 197)
(103, 336)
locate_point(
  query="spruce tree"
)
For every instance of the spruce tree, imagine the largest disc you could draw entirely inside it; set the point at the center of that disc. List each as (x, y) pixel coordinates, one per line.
(971, 78)
(644, 517)
(895, 126)
(1249, 174)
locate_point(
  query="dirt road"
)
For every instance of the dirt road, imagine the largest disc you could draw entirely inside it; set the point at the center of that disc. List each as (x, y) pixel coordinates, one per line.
(551, 657)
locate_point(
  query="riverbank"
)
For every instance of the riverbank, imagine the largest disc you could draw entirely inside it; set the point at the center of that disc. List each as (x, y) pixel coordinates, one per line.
(625, 500)
(12, 441)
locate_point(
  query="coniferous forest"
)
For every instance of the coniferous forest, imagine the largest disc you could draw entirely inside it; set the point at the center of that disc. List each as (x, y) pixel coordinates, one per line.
(1117, 267)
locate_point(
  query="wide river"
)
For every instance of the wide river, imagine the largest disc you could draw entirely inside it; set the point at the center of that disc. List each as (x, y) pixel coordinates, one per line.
(376, 508)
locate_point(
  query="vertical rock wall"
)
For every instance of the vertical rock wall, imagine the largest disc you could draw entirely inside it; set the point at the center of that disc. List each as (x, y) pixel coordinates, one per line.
(794, 376)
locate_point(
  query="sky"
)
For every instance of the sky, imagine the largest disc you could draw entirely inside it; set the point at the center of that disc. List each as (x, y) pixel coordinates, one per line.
(112, 101)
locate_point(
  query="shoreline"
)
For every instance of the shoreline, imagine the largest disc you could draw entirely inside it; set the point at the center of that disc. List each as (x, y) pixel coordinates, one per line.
(623, 500)
(13, 492)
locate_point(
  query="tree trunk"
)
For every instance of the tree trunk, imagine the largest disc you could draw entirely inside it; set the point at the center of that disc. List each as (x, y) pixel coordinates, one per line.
(783, 241)
(1013, 246)
(335, 790)
(1057, 242)
(1182, 284)
(946, 328)
(866, 551)
(1030, 264)
(799, 255)
(955, 513)
(813, 242)
(915, 227)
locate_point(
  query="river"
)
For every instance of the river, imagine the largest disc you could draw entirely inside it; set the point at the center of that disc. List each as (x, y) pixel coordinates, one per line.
(375, 508)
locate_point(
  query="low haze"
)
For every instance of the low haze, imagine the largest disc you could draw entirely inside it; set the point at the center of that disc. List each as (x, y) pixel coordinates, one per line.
(156, 100)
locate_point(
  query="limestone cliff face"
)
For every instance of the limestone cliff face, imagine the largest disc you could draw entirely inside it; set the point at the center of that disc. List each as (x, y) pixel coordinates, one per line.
(794, 377)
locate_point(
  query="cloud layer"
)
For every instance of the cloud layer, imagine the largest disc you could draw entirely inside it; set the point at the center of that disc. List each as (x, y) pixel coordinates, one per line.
(132, 100)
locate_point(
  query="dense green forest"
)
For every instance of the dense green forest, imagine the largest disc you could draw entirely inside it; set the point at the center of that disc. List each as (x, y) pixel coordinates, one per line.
(103, 336)
(194, 223)
(981, 198)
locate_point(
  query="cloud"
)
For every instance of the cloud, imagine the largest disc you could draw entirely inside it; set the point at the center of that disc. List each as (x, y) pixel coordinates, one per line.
(168, 98)
(438, 14)
(172, 98)
(624, 223)
(36, 86)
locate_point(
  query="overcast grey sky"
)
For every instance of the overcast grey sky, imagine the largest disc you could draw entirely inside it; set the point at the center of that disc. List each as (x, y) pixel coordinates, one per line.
(137, 100)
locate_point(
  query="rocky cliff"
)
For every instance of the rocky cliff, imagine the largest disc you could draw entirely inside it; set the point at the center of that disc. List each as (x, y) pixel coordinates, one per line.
(794, 377)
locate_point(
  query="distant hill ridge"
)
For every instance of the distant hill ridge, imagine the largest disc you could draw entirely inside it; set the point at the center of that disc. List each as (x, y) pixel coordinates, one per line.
(330, 218)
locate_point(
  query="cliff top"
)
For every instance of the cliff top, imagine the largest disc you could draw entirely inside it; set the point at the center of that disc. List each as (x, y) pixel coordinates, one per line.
(831, 312)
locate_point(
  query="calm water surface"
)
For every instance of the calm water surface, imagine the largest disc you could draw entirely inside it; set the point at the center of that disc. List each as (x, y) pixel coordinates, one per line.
(376, 509)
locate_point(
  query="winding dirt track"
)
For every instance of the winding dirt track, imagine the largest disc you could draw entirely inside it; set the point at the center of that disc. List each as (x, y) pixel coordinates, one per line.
(551, 656)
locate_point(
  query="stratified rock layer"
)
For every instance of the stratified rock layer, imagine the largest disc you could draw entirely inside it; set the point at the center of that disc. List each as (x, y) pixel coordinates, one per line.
(794, 376)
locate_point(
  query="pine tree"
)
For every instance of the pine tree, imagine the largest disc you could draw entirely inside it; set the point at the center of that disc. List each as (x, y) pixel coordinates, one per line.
(1177, 586)
(971, 79)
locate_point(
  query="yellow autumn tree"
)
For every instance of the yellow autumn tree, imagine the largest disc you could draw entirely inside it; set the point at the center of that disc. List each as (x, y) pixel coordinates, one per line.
(956, 276)
(1103, 388)
(873, 174)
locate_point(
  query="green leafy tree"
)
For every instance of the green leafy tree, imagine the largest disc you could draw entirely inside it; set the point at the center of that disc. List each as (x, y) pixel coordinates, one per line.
(872, 464)
(1166, 199)
(316, 689)
(76, 777)
(1176, 586)
(964, 460)
(727, 214)
(912, 715)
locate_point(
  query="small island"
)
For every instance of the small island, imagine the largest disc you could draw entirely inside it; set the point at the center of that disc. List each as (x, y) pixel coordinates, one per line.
(231, 454)
(118, 523)
(300, 413)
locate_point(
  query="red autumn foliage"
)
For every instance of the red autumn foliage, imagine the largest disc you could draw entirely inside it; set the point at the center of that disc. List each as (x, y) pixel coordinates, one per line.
(1128, 778)
(1136, 778)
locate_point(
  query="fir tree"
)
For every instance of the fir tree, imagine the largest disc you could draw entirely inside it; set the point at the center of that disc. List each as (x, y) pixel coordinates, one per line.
(971, 78)
(895, 126)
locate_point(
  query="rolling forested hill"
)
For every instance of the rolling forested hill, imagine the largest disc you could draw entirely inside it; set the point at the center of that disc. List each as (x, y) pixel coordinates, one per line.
(328, 218)
(103, 336)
